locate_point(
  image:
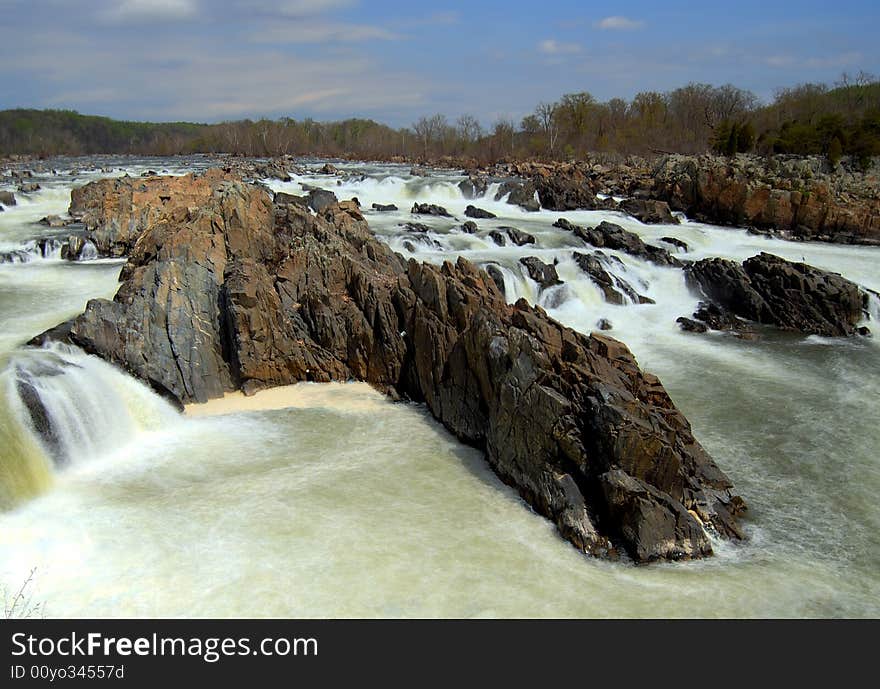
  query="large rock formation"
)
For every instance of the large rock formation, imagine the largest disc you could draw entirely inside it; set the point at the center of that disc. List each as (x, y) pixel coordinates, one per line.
(612, 236)
(797, 196)
(223, 290)
(793, 296)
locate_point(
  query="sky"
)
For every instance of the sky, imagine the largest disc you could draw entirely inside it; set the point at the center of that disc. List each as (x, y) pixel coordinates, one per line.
(209, 61)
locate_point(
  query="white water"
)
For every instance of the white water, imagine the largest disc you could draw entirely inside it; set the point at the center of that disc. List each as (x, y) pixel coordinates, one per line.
(348, 505)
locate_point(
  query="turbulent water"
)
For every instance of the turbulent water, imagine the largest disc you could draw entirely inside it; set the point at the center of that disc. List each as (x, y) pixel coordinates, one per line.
(332, 501)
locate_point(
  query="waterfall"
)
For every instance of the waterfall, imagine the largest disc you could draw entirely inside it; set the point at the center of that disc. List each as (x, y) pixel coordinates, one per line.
(65, 407)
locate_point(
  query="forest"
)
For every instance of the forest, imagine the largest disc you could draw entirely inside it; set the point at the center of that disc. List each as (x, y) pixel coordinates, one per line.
(832, 120)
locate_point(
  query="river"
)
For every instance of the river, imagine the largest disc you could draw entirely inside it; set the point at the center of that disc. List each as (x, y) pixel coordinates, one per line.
(331, 501)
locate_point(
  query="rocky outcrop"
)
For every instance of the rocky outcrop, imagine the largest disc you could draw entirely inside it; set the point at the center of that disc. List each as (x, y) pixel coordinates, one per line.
(613, 236)
(799, 197)
(234, 292)
(478, 213)
(430, 209)
(565, 193)
(768, 289)
(542, 273)
(615, 290)
(522, 195)
(649, 211)
(474, 187)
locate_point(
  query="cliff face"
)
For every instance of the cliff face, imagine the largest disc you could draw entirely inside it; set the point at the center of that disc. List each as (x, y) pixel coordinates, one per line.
(224, 290)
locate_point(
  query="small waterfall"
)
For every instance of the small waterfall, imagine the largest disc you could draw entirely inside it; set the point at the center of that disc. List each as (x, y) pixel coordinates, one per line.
(66, 407)
(89, 252)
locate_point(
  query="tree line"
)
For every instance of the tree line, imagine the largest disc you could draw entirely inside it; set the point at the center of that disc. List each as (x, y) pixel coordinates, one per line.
(832, 120)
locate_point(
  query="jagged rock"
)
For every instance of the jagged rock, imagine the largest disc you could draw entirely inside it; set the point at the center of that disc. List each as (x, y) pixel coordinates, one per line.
(7, 198)
(54, 221)
(470, 227)
(328, 169)
(718, 318)
(497, 277)
(564, 193)
(384, 208)
(678, 243)
(522, 195)
(604, 324)
(649, 211)
(282, 199)
(542, 273)
(319, 199)
(793, 296)
(500, 238)
(478, 213)
(72, 248)
(614, 288)
(417, 227)
(518, 237)
(237, 294)
(430, 209)
(798, 196)
(473, 187)
(613, 236)
(691, 326)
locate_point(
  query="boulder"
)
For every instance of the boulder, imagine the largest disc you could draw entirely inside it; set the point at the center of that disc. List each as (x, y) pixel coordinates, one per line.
(793, 296)
(319, 199)
(238, 294)
(384, 208)
(282, 198)
(474, 187)
(522, 195)
(564, 193)
(613, 236)
(478, 213)
(518, 237)
(649, 211)
(29, 188)
(7, 198)
(616, 290)
(469, 227)
(430, 209)
(542, 273)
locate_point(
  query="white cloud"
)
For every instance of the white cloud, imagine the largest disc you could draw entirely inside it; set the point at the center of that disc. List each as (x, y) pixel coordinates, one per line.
(138, 10)
(618, 23)
(297, 8)
(551, 47)
(321, 32)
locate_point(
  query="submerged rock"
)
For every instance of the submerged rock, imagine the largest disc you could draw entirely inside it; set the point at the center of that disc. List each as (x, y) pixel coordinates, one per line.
(768, 289)
(236, 293)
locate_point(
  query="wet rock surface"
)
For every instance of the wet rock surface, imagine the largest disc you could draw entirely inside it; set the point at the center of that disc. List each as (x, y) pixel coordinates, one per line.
(768, 289)
(224, 290)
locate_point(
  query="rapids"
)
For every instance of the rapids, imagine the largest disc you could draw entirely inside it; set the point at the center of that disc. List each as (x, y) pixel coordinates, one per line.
(332, 501)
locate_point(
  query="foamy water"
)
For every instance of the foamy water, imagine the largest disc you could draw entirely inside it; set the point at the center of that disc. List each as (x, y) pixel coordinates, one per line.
(317, 500)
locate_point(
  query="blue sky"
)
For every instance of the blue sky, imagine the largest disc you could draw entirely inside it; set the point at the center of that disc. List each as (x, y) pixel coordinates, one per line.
(393, 61)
